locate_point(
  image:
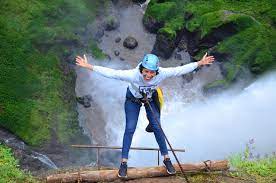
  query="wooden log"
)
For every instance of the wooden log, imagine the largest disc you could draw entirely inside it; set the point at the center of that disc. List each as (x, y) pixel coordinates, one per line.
(135, 173)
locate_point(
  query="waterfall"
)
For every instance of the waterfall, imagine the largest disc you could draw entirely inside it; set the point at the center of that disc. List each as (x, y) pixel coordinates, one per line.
(207, 127)
(44, 159)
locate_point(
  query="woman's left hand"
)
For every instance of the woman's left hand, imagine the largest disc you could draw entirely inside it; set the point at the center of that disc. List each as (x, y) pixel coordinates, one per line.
(206, 60)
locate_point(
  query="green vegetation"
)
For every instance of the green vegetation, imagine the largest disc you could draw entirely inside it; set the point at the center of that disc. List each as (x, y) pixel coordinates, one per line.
(253, 41)
(96, 51)
(169, 12)
(248, 164)
(9, 171)
(34, 89)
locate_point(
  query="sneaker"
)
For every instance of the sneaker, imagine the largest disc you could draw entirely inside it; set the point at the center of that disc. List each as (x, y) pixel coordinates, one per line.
(123, 170)
(169, 166)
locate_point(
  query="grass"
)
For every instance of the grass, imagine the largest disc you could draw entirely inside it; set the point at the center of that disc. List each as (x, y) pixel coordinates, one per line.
(248, 164)
(34, 89)
(96, 51)
(9, 171)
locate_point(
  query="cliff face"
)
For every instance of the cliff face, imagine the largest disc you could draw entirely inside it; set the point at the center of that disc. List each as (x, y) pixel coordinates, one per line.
(38, 43)
(240, 34)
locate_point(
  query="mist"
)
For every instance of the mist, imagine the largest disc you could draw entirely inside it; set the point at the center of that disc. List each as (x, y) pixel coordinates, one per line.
(216, 127)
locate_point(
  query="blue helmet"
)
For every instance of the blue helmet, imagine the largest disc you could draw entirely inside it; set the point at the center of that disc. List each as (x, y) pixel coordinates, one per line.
(151, 62)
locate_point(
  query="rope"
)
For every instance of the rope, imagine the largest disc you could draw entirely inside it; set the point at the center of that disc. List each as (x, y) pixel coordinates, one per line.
(146, 101)
(208, 167)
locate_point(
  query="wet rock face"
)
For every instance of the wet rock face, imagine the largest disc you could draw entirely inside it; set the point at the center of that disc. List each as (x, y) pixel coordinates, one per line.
(117, 40)
(85, 100)
(22, 152)
(139, 1)
(216, 88)
(178, 56)
(99, 33)
(110, 158)
(114, 1)
(130, 42)
(195, 43)
(152, 25)
(183, 43)
(163, 46)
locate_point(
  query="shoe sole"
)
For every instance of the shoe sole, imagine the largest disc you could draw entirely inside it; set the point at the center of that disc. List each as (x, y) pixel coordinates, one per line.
(171, 173)
(124, 177)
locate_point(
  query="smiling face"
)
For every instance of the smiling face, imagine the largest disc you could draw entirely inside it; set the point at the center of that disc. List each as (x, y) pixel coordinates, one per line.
(148, 74)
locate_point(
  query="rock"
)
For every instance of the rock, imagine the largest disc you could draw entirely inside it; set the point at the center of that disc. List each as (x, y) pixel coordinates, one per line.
(188, 77)
(122, 59)
(195, 42)
(111, 23)
(108, 57)
(96, 30)
(117, 40)
(99, 33)
(116, 53)
(188, 15)
(163, 46)
(109, 158)
(215, 87)
(22, 152)
(152, 25)
(182, 45)
(114, 1)
(85, 100)
(178, 56)
(130, 42)
(139, 1)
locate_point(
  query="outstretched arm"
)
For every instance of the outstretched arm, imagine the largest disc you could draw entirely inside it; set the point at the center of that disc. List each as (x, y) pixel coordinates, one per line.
(206, 60)
(83, 62)
(177, 71)
(124, 75)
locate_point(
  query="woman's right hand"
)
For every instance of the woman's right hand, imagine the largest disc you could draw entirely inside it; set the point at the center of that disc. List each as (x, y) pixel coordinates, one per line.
(83, 62)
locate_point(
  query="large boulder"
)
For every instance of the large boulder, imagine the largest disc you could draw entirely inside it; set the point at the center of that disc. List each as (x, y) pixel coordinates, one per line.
(130, 42)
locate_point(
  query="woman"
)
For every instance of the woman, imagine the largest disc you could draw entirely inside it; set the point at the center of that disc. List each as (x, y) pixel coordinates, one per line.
(143, 81)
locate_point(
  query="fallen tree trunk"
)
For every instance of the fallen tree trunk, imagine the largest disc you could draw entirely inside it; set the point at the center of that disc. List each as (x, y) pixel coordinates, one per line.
(134, 173)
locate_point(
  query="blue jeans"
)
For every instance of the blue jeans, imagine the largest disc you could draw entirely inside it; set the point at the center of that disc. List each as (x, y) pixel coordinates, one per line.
(132, 110)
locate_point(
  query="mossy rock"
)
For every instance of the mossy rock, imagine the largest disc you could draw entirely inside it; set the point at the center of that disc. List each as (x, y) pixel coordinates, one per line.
(111, 22)
(215, 87)
(166, 13)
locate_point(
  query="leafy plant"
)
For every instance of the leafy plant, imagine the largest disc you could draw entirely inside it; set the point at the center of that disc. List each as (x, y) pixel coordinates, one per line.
(9, 171)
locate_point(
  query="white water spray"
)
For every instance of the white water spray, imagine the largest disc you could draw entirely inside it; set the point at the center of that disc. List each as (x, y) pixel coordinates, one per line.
(217, 127)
